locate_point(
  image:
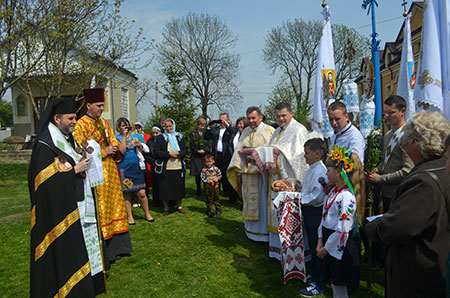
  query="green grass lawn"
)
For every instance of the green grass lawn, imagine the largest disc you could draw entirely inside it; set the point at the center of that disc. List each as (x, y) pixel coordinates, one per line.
(188, 255)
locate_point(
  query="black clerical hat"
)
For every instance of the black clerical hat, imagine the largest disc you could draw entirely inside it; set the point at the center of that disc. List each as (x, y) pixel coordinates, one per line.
(56, 106)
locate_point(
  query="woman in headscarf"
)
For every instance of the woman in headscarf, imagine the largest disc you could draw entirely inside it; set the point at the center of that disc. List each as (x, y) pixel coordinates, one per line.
(169, 151)
(130, 173)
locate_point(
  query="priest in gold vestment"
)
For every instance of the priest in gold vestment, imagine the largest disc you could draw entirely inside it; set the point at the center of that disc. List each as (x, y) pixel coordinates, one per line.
(111, 205)
(254, 190)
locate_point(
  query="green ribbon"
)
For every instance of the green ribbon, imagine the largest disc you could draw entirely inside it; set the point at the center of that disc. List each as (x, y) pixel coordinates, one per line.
(101, 128)
(350, 186)
(347, 181)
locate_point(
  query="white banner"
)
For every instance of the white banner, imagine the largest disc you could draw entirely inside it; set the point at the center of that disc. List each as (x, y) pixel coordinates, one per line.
(325, 87)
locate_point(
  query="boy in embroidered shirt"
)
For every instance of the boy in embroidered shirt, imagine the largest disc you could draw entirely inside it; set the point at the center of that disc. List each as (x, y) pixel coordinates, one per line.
(312, 199)
(211, 176)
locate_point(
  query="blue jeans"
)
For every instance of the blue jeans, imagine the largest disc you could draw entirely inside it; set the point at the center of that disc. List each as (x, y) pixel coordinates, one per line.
(312, 217)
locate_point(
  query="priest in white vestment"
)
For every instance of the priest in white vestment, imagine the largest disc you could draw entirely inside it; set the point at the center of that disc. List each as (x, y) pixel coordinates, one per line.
(289, 138)
(254, 190)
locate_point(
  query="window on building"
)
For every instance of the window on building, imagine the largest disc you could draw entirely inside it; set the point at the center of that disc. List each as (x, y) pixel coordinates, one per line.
(388, 90)
(21, 106)
(124, 96)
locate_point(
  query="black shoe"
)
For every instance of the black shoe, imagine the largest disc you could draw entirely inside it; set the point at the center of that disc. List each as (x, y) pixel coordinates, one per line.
(312, 290)
(218, 214)
(211, 213)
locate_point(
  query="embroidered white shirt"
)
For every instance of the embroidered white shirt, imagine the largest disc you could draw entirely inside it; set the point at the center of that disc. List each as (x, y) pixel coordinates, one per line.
(351, 138)
(312, 191)
(339, 212)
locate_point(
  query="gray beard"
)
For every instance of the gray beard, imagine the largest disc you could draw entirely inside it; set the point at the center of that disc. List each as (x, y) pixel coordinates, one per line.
(65, 129)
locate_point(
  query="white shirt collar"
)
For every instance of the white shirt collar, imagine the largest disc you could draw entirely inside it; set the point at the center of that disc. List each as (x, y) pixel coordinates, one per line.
(315, 164)
(344, 129)
(290, 122)
(259, 126)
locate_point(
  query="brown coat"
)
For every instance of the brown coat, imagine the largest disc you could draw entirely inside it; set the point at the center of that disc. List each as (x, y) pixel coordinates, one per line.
(392, 172)
(416, 230)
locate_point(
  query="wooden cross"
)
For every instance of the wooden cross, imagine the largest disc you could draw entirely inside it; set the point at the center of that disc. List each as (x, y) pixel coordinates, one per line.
(349, 54)
(84, 148)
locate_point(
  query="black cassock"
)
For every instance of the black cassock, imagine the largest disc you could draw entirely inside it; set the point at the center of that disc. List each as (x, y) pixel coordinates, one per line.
(59, 260)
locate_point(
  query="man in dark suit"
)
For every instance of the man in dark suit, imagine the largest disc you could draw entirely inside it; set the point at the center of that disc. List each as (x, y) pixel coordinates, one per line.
(395, 164)
(219, 137)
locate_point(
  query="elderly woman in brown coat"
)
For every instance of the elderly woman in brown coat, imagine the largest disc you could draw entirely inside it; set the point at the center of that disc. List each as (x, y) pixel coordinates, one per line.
(416, 229)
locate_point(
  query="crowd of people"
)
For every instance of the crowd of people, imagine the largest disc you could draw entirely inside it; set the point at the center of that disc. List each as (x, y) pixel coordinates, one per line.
(101, 174)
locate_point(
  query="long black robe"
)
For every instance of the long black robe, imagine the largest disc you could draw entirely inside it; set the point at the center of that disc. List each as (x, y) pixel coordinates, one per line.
(59, 260)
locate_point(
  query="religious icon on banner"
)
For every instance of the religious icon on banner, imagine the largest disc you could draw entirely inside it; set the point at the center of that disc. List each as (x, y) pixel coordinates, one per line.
(411, 74)
(329, 84)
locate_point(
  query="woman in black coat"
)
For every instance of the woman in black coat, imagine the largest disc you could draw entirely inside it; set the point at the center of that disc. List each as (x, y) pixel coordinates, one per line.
(169, 151)
(150, 158)
(416, 228)
(197, 145)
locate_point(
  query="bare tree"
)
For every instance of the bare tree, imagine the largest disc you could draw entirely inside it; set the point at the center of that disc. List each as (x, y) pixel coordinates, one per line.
(19, 19)
(281, 92)
(199, 46)
(85, 43)
(361, 48)
(143, 88)
(292, 50)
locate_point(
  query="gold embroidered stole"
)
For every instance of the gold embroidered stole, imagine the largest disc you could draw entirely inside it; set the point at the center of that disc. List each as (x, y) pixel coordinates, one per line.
(250, 195)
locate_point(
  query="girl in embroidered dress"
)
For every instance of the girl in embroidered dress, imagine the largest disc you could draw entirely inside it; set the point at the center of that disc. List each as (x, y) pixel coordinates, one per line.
(344, 207)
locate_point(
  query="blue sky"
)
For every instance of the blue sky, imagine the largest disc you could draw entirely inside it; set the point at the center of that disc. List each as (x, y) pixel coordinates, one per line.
(251, 20)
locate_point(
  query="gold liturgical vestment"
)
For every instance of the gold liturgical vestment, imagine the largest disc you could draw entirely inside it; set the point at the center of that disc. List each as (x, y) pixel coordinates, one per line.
(251, 138)
(111, 205)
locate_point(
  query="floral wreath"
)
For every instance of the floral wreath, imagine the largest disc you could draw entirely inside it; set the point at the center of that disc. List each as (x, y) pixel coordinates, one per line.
(341, 157)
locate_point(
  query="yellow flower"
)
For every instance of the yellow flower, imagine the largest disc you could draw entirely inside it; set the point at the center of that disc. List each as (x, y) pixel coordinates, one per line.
(348, 167)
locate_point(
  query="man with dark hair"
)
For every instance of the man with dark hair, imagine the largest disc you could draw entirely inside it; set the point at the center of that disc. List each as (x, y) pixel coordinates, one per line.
(254, 190)
(283, 105)
(398, 101)
(65, 244)
(395, 164)
(289, 138)
(252, 109)
(345, 134)
(219, 138)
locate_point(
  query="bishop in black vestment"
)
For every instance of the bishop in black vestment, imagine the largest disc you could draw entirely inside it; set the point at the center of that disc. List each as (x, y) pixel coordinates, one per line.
(63, 263)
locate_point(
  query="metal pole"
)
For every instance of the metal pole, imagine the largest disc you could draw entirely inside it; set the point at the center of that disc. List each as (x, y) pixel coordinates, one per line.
(376, 67)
